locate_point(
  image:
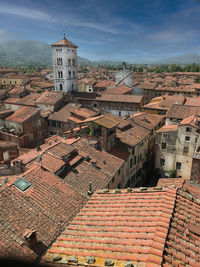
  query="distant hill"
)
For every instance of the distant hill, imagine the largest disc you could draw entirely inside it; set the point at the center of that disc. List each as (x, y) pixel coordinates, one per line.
(181, 60)
(25, 53)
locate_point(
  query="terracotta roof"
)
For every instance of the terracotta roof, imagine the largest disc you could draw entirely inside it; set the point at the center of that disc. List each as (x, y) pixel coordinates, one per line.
(182, 246)
(123, 227)
(50, 98)
(17, 90)
(64, 42)
(120, 98)
(85, 173)
(113, 163)
(63, 114)
(167, 182)
(193, 101)
(104, 83)
(146, 120)
(47, 206)
(168, 128)
(107, 122)
(51, 163)
(192, 121)
(118, 90)
(22, 114)
(182, 111)
(26, 100)
(146, 85)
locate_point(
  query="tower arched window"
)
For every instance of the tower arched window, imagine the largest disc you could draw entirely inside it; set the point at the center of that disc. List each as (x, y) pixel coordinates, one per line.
(61, 74)
(61, 87)
(58, 74)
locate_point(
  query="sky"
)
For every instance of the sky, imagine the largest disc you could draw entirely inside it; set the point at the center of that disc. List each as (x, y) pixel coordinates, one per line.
(128, 30)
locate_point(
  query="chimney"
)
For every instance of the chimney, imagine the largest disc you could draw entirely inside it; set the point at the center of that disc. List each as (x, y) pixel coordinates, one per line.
(90, 191)
(30, 236)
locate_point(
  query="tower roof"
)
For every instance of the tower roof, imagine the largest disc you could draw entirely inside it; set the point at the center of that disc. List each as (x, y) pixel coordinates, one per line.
(64, 42)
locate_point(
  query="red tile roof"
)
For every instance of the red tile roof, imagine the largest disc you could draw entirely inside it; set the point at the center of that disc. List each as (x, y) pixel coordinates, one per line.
(167, 182)
(120, 98)
(182, 111)
(64, 42)
(192, 121)
(118, 90)
(85, 173)
(47, 206)
(193, 101)
(50, 98)
(63, 114)
(168, 128)
(22, 114)
(143, 226)
(122, 227)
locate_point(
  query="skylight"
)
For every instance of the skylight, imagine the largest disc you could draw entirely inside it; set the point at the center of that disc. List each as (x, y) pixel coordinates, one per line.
(22, 184)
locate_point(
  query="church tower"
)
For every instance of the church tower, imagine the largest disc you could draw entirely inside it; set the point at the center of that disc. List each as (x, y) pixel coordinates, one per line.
(65, 66)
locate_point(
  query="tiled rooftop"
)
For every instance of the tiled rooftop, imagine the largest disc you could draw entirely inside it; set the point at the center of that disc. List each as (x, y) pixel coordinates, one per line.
(85, 173)
(64, 42)
(47, 206)
(182, 111)
(22, 114)
(168, 128)
(107, 122)
(122, 227)
(63, 114)
(120, 98)
(118, 90)
(50, 98)
(142, 227)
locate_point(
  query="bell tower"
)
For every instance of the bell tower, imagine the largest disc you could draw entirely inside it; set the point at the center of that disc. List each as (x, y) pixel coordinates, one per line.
(65, 66)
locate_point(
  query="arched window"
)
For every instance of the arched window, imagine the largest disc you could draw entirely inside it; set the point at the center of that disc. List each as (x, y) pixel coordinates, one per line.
(60, 61)
(58, 74)
(72, 87)
(61, 74)
(61, 87)
(69, 74)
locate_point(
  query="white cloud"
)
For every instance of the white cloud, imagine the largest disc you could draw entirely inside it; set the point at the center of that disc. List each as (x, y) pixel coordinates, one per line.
(25, 12)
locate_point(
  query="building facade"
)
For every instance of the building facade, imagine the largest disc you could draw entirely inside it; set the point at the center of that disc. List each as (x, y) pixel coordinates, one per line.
(65, 66)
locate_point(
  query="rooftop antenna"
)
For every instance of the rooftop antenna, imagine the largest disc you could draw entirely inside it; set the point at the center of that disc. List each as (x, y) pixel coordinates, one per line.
(64, 34)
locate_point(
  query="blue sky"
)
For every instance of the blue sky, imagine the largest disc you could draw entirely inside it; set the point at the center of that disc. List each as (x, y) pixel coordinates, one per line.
(107, 29)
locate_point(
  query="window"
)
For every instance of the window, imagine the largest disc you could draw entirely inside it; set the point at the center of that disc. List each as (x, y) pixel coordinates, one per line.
(74, 76)
(188, 129)
(187, 138)
(53, 123)
(120, 114)
(131, 163)
(61, 74)
(119, 172)
(185, 149)
(164, 135)
(69, 62)
(178, 165)
(61, 87)
(163, 145)
(196, 138)
(162, 162)
(73, 62)
(69, 74)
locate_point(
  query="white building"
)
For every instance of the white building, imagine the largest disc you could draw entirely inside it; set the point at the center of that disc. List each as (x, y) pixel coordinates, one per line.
(176, 145)
(65, 66)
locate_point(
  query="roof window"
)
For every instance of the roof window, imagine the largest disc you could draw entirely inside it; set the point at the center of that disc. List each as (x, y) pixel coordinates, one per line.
(22, 184)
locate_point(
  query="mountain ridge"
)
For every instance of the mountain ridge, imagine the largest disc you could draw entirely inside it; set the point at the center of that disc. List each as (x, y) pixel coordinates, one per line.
(30, 52)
